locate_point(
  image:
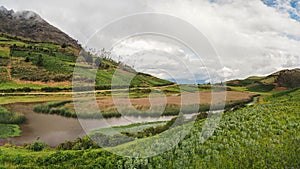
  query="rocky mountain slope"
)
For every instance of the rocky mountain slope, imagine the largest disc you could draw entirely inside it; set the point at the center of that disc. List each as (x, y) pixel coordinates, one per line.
(29, 25)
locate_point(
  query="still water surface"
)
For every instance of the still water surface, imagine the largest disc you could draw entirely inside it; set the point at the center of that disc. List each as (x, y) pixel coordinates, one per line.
(54, 129)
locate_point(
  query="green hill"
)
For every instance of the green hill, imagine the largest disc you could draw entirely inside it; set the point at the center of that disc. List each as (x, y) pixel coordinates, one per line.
(28, 65)
(34, 55)
(281, 80)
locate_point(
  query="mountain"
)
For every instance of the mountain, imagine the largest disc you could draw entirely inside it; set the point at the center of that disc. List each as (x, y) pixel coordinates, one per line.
(284, 79)
(35, 55)
(30, 26)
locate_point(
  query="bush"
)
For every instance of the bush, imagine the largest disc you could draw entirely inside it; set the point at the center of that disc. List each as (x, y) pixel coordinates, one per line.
(63, 45)
(27, 59)
(35, 146)
(52, 108)
(7, 117)
(110, 141)
(40, 60)
(26, 89)
(50, 89)
(79, 144)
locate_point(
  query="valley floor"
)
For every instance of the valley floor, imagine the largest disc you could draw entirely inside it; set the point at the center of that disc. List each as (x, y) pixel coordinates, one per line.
(264, 135)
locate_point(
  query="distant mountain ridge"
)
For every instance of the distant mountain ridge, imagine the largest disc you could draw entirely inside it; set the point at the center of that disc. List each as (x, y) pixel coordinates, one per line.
(30, 26)
(284, 79)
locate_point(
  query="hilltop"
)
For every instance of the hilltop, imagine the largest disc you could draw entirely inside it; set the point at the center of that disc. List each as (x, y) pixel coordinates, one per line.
(30, 26)
(281, 80)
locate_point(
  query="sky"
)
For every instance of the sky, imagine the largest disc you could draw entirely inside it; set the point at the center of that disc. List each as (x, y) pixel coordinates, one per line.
(256, 37)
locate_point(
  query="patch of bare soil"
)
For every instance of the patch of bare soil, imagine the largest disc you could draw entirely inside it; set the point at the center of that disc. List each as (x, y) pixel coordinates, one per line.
(280, 88)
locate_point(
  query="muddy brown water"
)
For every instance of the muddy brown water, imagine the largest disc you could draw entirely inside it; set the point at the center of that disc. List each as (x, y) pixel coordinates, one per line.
(54, 129)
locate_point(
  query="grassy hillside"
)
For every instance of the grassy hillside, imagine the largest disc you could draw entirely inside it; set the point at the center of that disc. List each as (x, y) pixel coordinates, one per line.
(282, 80)
(26, 66)
(261, 136)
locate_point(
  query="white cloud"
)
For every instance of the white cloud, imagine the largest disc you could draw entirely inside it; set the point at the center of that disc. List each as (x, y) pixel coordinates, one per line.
(250, 37)
(244, 33)
(228, 72)
(161, 56)
(80, 19)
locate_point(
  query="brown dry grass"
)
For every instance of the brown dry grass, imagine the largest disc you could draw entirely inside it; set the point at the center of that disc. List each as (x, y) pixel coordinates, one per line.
(203, 98)
(51, 84)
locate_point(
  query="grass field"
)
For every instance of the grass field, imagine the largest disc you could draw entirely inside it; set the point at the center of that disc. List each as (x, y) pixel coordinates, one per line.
(259, 90)
(9, 130)
(9, 123)
(260, 136)
(32, 98)
(4, 51)
(14, 85)
(133, 128)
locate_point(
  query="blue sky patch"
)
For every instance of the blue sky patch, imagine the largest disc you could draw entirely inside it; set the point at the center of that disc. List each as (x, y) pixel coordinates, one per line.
(294, 4)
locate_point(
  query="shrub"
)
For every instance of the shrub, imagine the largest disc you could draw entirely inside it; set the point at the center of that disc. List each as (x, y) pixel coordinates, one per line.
(63, 45)
(36, 146)
(40, 60)
(78, 144)
(27, 59)
(7, 117)
(110, 141)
